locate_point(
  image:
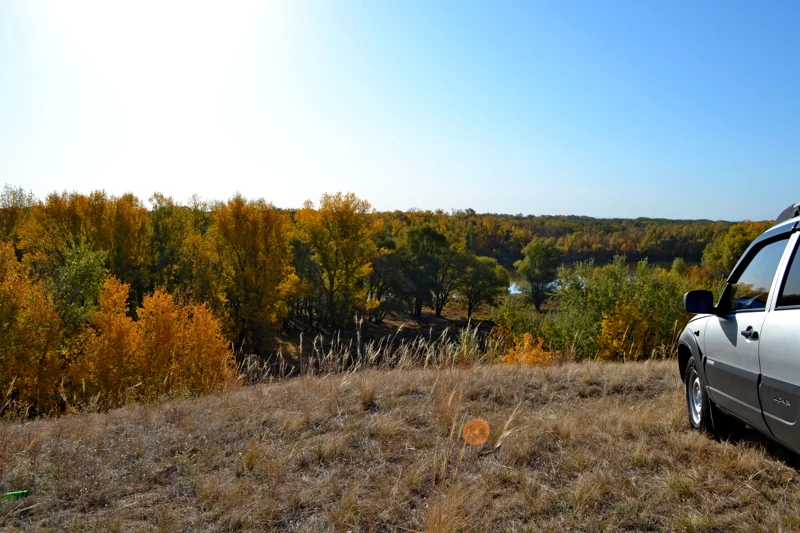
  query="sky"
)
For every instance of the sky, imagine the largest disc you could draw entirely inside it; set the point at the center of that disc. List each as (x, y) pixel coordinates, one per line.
(676, 109)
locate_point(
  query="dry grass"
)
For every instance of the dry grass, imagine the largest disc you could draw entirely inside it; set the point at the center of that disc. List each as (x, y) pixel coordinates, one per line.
(580, 447)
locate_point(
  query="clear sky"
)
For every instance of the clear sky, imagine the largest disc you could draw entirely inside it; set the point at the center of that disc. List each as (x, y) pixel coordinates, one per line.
(678, 109)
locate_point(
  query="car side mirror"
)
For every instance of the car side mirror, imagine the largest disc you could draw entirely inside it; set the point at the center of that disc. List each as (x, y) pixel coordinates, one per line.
(699, 302)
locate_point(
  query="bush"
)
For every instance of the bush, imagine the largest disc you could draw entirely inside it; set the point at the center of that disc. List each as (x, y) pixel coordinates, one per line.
(170, 350)
(527, 351)
(612, 312)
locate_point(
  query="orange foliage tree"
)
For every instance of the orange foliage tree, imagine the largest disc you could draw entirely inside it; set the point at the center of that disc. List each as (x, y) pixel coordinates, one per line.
(30, 334)
(116, 225)
(170, 350)
(107, 363)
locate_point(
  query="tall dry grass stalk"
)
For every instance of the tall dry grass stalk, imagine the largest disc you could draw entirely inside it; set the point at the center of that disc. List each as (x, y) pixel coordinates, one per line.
(453, 347)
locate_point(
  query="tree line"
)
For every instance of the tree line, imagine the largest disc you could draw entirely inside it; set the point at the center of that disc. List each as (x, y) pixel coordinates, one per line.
(94, 277)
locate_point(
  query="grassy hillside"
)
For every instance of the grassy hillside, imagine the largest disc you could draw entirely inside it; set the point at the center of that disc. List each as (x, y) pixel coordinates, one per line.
(582, 447)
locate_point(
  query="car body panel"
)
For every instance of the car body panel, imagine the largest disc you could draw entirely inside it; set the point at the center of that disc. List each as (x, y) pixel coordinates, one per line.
(732, 366)
(779, 355)
(756, 380)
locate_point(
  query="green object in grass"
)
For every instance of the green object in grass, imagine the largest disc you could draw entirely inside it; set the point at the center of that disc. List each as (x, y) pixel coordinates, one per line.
(15, 495)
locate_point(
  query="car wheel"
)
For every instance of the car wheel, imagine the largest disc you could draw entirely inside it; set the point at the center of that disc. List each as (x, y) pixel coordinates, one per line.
(697, 399)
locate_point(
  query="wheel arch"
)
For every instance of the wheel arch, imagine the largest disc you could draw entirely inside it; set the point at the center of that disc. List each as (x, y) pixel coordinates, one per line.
(688, 348)
(684, 354)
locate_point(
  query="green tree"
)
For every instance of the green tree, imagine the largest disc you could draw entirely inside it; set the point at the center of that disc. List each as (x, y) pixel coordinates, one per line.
(436, 260)
(422, 245)
(308, 303)
(170, 225)
(76, 286)
(388, 290)
(539, 269)
(679, 266)
(451, 262)
(482, 282)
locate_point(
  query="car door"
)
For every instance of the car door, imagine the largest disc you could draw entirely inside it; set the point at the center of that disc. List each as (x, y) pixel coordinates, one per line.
(780, 357)
(732, 338)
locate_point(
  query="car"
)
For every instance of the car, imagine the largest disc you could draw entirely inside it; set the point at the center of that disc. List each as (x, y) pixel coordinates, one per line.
(740, 358)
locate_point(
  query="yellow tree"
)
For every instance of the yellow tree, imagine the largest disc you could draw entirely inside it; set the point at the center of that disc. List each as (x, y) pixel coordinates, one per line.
(251, 239)
(30, 334)
(204, 361)
(116, 225)
(340, 234)
(107, 365)
(61, 223)
(15, 205)
(170, 350)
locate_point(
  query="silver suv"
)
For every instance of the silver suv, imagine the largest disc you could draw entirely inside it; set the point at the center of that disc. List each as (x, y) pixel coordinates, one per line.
(740, 358)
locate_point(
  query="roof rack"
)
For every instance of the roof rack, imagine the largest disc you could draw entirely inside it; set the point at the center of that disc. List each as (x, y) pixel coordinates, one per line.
(790, 212)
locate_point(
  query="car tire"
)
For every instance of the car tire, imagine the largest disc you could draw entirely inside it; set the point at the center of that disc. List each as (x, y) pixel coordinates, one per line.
(697, 402)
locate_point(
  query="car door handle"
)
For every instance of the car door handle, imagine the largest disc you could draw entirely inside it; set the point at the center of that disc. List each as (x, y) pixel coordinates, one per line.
(750, 334)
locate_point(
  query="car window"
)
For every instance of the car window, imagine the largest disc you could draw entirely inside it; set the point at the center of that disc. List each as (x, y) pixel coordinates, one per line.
(752, 288)
(790, 293)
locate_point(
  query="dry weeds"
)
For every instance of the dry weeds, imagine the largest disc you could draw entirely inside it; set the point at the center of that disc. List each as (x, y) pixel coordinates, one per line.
(578, 447)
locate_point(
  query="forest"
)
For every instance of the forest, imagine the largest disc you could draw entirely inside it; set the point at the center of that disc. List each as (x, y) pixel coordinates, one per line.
(109, 299)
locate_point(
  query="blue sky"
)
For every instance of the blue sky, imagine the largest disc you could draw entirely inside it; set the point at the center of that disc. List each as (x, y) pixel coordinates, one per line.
(672, 109)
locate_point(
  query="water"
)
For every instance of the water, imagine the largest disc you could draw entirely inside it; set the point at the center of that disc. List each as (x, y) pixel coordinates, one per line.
(513, 288)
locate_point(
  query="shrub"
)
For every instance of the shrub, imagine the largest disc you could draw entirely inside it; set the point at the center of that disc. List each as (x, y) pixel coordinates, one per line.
(527, 351)
(170, 350)
(106, 361)
(613, 312)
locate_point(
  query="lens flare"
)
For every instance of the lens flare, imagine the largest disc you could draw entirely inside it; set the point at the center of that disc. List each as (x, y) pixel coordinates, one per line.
(476, 431)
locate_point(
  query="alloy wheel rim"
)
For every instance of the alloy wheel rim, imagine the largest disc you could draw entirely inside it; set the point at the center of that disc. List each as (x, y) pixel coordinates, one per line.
(696, 400)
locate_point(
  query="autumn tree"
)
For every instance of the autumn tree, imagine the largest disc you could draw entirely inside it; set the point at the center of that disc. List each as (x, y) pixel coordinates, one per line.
(723, 252)
(539, 268)
(251, 240)
(61, 223)
(204, 360)
(15, 205)
(340, 236)
(483, 281)
(30, 335)
(107, 366)
(172, 349)
(118, 226)
(181, 348)
(199, 272)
